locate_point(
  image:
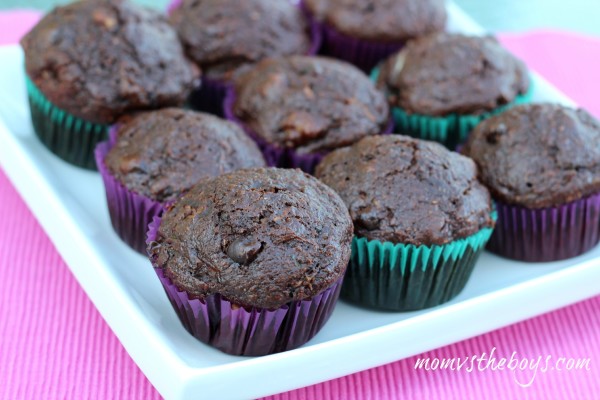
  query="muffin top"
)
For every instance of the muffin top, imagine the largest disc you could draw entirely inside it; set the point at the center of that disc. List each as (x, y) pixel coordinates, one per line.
(98, 60)
(160, 154)
(409, 191)
(538, 155)
(222, 36)
(311, 104)
(382, 20)
(443, 74)
(259, 237)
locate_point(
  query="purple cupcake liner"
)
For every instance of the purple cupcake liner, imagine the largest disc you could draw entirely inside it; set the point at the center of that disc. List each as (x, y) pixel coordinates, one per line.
(130, 212)
(113, 132)
(547, 234)
(277, 156)
(365, 54)
(246, 331)
(210, 95)
(173, 5)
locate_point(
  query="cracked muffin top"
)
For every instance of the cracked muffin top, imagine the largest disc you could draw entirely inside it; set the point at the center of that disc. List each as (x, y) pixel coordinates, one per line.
(381, 20)
(259, 237)
(222, 36)
(100, 59)
(443, 74)
(160, 154)
(404, 190)
(538, 155)
(310, 104)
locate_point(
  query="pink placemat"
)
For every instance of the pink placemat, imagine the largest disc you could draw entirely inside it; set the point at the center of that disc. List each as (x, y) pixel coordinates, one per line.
(14, 24)
(570, 61)
(55, 345)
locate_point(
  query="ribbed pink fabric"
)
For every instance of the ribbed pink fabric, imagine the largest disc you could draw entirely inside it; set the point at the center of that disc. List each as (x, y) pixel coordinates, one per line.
(55, 345)
(53, 342)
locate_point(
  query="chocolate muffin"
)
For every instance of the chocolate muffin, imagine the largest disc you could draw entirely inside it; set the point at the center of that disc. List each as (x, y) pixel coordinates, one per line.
(259, 237)
(539, 155)
(254, 240)
(161, 154)
(405, 190)
(158, 155)
(421, 219)
(98, 60)
(226, 36)
(364, 32)
(90, 62)
(385, 21)
(308, 105)
(452, 73)
(541, 163)
(222, 36)
(455, 76)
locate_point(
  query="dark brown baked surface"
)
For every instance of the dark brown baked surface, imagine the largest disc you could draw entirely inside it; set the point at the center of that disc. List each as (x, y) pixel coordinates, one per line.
(222, 36)
(403, 190)
(160, 154)
(538, 155)
(381, 20)
(98, 60)
(443, 74)
(259, 237)
(311, 104)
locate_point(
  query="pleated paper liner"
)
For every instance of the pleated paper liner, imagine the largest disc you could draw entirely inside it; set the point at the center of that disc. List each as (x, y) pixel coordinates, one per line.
(547, 234)
(277, 156)
(210, 95)
(404, 277)
(173, 5)
(130, 212)
(70, 138)
(365, 54)
(451, 130)
(247, 331)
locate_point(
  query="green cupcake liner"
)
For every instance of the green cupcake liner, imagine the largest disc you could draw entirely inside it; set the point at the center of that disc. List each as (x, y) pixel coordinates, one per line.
(70, 138)
(450, 130)
(405, 277)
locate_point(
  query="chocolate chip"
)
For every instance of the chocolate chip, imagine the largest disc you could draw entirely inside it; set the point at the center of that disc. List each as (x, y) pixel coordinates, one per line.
(244, 251)
(153, 246)
(494, 135)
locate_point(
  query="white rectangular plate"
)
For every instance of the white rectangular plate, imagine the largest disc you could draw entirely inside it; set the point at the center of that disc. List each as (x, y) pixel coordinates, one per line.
(71, 207)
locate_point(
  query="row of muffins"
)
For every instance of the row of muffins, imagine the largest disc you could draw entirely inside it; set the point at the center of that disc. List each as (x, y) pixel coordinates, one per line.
(250, 246)
(438, 87)
(258, 239)
(141, 60)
